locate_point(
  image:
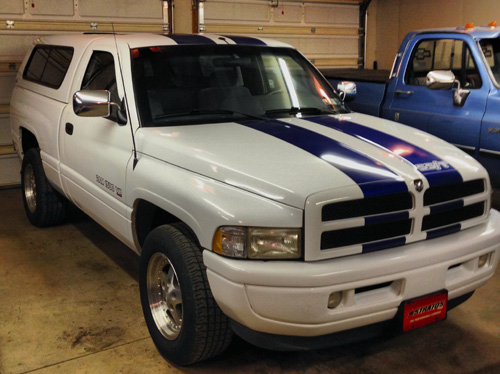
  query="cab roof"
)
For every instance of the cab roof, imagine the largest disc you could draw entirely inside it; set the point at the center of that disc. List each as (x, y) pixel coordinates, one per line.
(137, 40)
(477, 33)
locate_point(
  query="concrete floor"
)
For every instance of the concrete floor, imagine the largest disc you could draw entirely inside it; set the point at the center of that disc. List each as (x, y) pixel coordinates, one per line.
(69, 303)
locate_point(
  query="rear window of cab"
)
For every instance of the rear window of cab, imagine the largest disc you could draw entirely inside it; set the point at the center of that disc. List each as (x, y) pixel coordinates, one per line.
(48, 65)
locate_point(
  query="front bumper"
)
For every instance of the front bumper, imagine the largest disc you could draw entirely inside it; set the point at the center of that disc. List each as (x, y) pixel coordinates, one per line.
(290, 297)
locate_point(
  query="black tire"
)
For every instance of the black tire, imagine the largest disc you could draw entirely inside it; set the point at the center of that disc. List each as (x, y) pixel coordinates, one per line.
(194, 328)
(43, 205)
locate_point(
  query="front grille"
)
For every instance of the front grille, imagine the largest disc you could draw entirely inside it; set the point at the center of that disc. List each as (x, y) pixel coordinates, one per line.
(452, 192)
(452, 216)
(364, 234)
(384, 217)
(375, 223)
(366, 207)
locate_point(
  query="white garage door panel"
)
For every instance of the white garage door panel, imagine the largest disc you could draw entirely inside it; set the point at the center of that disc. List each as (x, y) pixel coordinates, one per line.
(121, 8)
(13, 47)
(11, 168)
(52, 7)
(11, 6)
(237, 11)
(7, 81)
(326, 33)
(289, 13)
(4, 130)
(331, 14)
(321, 45)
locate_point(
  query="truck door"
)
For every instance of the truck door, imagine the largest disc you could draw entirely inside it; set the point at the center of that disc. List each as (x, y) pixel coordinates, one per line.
(489, 152)
(412, 103)
(95, 151)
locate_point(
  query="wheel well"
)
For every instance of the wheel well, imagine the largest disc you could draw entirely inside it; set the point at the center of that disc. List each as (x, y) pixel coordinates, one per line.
(28, 140)
(148, 216)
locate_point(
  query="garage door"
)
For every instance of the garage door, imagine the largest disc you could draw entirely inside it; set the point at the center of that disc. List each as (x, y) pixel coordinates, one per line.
(326, 32)
(22, 21)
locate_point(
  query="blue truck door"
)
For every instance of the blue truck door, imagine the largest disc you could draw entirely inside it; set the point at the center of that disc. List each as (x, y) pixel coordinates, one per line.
(409, 101)
(489, 147)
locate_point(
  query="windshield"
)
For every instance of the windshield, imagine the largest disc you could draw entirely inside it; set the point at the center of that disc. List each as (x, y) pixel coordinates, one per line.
(178, 85)
(491, 52)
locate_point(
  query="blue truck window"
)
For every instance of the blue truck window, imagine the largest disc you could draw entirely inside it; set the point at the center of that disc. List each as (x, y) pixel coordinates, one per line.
(443, 54)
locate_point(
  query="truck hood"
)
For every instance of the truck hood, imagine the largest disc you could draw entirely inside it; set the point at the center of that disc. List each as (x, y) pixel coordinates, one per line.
(288, 160)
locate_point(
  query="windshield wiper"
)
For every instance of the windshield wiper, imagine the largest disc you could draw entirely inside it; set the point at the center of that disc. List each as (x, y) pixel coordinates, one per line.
(305, 110)
(199, 112)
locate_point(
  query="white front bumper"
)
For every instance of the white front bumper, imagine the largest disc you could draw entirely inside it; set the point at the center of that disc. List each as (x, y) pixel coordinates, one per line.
(290, 297)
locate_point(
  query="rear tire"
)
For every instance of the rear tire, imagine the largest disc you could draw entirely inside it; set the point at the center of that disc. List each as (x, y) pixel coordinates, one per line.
(43, 205)
(182, 316)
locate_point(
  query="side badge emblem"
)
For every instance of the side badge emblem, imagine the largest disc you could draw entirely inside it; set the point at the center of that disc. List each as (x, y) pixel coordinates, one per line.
(419, 185)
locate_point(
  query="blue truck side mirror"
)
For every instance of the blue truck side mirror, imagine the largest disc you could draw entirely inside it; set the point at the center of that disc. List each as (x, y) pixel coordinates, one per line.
(347, 90)
(445, 79)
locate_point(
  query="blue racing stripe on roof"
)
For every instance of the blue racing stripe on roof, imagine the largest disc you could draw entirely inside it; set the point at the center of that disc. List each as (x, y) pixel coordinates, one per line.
(437, 171)
(245, 40)
(372, 177)
(191, 39)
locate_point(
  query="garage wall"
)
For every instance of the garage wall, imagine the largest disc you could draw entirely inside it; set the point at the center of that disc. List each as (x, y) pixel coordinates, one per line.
(391, 20)
(326, 32)
(21, 21)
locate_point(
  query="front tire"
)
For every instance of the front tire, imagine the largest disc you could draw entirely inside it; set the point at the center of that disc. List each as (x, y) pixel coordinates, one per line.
(43, 205)
(182, 316)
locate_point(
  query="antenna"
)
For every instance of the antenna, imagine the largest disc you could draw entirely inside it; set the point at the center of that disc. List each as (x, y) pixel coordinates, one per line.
(125, 98)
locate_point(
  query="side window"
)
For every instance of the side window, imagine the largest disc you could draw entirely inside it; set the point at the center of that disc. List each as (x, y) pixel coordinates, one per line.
(100, 75)
(48, 65)
(491, 53)
(443, 54)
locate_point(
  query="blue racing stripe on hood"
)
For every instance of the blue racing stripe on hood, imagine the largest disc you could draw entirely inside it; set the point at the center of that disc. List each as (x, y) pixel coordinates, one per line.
(191, 39)
(372, 177)
(437, 171)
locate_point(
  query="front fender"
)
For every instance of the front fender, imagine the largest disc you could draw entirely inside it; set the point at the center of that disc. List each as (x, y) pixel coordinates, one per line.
(202, 203)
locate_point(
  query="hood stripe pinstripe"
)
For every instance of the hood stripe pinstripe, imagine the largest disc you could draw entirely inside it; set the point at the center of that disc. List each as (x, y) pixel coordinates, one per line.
(372, 177)
(435, 176)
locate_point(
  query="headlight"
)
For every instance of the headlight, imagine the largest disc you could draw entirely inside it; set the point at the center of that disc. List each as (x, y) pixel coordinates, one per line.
(257, 243)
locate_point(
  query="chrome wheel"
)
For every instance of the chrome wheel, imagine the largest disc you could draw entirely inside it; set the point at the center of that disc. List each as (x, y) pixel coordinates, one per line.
(165, 296)
(30, 188)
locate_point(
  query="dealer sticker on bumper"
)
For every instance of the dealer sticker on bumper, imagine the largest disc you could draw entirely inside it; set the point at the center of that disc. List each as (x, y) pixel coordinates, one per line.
(423, 311)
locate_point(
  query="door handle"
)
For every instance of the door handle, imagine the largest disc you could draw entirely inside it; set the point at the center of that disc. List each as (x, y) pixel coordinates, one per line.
(69, 128)
(400, 92)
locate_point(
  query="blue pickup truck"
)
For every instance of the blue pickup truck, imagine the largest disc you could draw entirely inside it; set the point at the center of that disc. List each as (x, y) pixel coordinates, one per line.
(445, 82)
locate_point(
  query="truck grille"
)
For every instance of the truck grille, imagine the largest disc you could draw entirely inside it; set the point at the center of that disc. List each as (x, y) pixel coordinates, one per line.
(366, 207)
(355, 226)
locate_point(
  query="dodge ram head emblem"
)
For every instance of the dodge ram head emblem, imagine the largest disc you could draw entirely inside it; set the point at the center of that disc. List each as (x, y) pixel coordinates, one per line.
(419, 184)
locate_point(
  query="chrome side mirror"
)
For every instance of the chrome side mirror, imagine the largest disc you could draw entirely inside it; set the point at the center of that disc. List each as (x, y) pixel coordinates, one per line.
(440, 79)
(347, 90)
(92, 103)
(445, 79)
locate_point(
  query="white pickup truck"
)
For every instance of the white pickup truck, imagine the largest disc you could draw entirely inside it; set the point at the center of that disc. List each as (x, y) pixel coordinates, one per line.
(259, 204)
